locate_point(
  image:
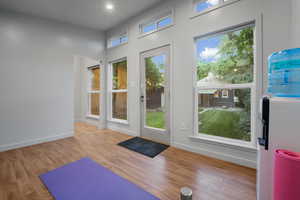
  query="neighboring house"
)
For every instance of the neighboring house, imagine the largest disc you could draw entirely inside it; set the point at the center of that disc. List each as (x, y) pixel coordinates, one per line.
(214, 97)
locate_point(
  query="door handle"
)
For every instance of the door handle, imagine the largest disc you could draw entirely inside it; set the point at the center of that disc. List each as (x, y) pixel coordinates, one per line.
(264, 140)
(142, 98)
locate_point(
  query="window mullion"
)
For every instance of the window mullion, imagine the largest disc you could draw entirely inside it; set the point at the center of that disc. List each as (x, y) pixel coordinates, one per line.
(93, 91)
(226, 86)
(119, 91)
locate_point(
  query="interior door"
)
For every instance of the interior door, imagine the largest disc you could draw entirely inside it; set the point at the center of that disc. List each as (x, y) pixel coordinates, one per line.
(155, 94)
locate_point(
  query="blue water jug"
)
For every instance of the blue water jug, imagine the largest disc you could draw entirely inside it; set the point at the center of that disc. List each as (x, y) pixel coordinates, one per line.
(284, 73)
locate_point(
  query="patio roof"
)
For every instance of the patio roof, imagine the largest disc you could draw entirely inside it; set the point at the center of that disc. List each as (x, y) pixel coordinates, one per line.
(210, 80)
(207, 91)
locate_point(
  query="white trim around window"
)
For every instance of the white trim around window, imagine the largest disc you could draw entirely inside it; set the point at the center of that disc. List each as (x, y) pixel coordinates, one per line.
(112, 91)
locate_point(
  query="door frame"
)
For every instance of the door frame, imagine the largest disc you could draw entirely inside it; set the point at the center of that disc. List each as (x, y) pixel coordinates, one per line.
(157, 134)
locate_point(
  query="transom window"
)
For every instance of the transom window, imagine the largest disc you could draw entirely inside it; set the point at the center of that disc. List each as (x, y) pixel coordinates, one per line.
(225, 84)
(206, 5)
(116, 41)
(118, 91)
(94, 88)
(157, 23)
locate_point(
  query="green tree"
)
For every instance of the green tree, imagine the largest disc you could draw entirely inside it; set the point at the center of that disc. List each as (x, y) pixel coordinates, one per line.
(236, 56)
(204, 68)
(235, 62)
(154, 78)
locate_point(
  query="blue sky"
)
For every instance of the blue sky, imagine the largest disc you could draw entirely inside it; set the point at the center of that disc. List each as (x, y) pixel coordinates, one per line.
(148, 28)
(158, 60)
(207, 48)
(164, 22)
(201, 6)
(151, 27)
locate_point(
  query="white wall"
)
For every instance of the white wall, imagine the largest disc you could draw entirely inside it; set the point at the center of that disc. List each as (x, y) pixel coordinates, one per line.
(180, 37)
(295, 24)
(276, 29)
(37, 77)
(78, 112)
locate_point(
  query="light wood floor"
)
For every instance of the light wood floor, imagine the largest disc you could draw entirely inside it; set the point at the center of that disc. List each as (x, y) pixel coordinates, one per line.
(162, 176)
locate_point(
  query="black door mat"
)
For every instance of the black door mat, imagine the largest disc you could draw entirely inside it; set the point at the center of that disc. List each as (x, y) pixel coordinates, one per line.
(143, 146)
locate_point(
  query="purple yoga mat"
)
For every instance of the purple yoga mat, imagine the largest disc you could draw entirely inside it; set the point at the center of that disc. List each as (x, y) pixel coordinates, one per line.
(87, 180)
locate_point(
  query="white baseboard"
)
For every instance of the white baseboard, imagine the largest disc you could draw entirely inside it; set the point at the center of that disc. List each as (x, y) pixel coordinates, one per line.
(94, 122)
(35, 141)
(102, 126)
(122, 130)
(217, 155)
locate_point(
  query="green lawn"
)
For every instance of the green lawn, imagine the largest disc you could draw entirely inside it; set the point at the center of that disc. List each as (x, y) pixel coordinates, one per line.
(222, 123)
(155, 119)
(214, 122)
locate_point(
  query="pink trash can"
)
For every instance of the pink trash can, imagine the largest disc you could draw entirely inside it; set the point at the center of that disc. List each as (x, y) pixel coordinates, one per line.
(286, 175)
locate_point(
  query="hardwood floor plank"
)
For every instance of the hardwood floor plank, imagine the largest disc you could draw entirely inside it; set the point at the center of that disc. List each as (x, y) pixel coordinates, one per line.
(162, 176)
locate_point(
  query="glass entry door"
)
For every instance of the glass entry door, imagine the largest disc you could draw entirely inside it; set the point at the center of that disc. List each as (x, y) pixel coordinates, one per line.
(155, 94)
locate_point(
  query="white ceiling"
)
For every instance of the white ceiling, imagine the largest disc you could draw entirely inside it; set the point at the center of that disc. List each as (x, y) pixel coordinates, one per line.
(86, 13)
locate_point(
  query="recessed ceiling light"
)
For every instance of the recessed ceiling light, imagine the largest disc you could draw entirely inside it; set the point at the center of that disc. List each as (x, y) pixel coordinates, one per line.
(110, 6)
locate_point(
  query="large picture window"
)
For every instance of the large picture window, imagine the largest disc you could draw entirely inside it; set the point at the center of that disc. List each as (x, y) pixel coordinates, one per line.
(225, 84)
(94, 91)
(118, 91)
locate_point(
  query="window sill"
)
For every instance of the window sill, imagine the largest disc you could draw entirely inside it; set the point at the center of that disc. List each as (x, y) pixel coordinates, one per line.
(125, 122)
(244, 146)
(149, 33)
(96, 117)
(197, 14)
